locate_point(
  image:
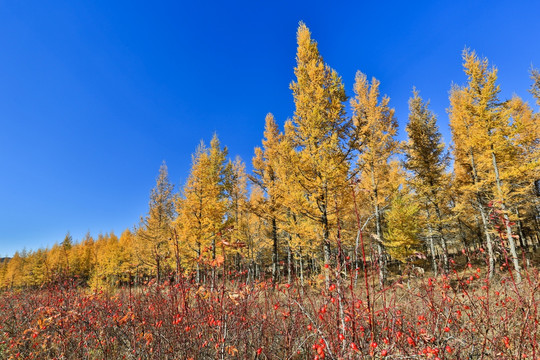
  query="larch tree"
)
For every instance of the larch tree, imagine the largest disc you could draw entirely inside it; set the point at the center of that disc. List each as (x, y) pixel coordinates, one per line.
(426, 159)
(535, 87)
(259, 244)
(376, 128)
(489, 131)
(235, 232)
(67, 245)
(14, 271)
(403, 226)
(265, 177)
(524, 170)
(192, 210)
(298, 230)
(155, 230)
(318, 131)
(202, 205)
(492, 125)
(470, 174)
(219, 171)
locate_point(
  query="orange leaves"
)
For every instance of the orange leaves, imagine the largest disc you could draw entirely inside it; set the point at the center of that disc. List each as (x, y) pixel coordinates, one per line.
(218, 261)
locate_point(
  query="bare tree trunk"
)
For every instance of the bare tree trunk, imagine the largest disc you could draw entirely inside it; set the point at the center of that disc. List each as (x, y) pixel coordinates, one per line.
(301, 268)
(326, 237)
(378, 220)
(289, 265)
(213, 267)
(443, 240)
(484, 219)
(158, 268)
(432, 249)
(380, 249)
(198, 269)
(488, 239)
(274, 250)
(522, 239)
(511, 241)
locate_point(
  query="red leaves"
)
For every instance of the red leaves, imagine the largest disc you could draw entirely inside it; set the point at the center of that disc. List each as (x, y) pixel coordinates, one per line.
(191, 322)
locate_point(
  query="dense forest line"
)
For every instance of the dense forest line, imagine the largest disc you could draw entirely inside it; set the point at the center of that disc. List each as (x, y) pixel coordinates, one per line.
(330, 186)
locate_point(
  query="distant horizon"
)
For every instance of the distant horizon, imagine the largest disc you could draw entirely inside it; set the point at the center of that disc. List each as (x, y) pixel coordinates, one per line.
(95, 96)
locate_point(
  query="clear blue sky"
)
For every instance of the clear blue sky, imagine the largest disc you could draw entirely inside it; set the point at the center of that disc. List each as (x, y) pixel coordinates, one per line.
(94, 95)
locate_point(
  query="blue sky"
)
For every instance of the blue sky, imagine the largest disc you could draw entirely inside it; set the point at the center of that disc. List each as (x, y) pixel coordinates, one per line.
(95, 95)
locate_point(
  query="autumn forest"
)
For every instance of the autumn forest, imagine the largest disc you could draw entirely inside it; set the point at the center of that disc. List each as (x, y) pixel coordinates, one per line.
(334, 203)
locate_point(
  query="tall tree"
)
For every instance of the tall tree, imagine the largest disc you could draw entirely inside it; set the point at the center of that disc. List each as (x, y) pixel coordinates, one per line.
(203, 205)
(154, 232)
(192, 208)
(524, 168)
(235, 234)
(490, 131)
(492, 125)
(470, 174)
(426, 159)
(376, 128)
(318, 131)
(265, 177)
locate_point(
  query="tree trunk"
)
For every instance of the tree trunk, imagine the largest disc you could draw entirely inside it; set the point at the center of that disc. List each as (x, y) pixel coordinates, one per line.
(158, 269)
(443, 240)
(380, 249)
(301, 268)
(484, 218)
(198, 269)
(432, 249)
(326, 237)
(522, 239)
(488, 239)
(274, 251)
(511, 241)
(326, 240)
(289, 265)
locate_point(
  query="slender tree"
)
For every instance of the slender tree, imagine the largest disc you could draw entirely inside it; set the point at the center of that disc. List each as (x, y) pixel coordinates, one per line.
(318, 131)
(427, 160)
(265, 177)
(202, 205)
(376, 128)
(155, 230)
(487, 127)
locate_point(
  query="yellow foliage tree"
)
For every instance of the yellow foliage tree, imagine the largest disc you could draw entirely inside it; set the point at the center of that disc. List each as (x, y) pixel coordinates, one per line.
(155, 230)
(375, 127)
(426, 159)
(483, 146)
(202, 205)
(319, 134)
(266, 177)
(402, 226)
